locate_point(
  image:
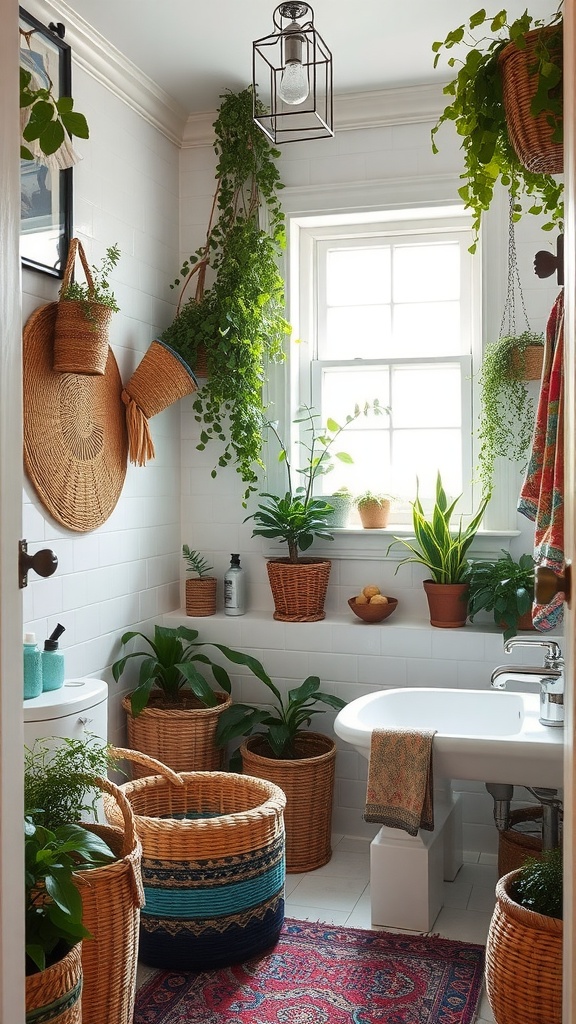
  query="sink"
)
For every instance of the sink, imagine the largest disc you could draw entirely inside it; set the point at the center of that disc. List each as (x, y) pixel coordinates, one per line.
(481, 735)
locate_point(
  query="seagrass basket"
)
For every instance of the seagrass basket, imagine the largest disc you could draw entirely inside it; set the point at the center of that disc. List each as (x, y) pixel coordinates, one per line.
(531, 137)
(212, 865)
(523, 962)
(308, 783)
(112, 896)
(54, 994)
(183, 737)
(81, 329)
(299, 588)
(201, 596)
(514, 845)
(528, 364)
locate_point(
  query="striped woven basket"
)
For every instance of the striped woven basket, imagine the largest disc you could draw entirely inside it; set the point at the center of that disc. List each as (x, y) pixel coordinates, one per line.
(183, 738)
(201, 596)
(212, 865)
(53, 995)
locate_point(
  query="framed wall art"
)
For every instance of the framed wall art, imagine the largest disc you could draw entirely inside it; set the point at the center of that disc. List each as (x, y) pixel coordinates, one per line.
(45, 193)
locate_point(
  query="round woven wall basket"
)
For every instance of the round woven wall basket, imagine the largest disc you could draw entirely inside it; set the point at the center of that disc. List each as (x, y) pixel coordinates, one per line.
(308, 783)
(183, 737)
(212, 866)
(75, 444)
(54, 994)
(531, 137)
(523, 962)
(299, 588)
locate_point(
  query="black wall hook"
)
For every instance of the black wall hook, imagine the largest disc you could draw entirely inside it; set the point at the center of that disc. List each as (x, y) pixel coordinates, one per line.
(545, 263)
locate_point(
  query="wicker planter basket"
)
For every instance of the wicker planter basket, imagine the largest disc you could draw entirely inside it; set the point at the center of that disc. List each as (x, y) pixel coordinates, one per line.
(81, 330)
(201, 596)
(523, 962)
(299, 588)
(531, 137)
(112, 896)
(309, 787)
(54, 994)
(183, 737)
(515, 846)
(529, 362)
(212, 866)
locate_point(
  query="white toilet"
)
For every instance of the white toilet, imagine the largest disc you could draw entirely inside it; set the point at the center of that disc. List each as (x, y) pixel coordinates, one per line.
(78, 707)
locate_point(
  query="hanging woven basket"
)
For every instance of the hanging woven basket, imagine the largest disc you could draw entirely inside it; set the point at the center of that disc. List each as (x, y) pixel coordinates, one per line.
(531, 137)
(161, 378)
(54, 994)
(81, 331)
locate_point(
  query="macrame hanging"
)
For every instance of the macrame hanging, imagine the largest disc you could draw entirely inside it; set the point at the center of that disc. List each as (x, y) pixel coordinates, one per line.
(530, 344)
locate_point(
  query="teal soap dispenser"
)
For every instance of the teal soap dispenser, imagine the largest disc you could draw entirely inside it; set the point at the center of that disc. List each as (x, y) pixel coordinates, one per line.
(32, 667)
(53, 661)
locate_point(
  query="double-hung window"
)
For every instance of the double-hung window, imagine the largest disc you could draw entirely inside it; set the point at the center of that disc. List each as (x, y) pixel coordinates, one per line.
(388, 309)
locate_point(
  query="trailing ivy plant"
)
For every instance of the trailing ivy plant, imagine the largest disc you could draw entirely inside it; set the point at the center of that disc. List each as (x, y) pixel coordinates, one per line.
(239, 319)
(477, 111)
(506, 408)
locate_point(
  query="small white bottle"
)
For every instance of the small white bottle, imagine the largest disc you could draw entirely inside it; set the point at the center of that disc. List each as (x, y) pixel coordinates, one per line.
(234, 588)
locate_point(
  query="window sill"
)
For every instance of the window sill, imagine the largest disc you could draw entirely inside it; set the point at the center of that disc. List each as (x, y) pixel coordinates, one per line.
(358, 543)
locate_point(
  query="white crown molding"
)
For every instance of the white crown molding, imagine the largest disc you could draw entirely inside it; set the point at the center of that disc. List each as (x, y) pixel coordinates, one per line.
(353, 111)
(100, 59)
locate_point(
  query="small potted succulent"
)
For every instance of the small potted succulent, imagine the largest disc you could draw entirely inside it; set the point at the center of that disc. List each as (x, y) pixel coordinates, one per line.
(504, 587)
(200, 588)
(374, 510)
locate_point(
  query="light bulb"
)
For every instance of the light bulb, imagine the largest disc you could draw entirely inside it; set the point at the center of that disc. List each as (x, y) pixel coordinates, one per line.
(294, 87)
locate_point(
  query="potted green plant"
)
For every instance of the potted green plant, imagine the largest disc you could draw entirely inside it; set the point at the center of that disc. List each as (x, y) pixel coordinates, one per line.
(374, 510)
(200, 588)
(227, 331)
(506, 408)
(443, 551)
(278, 748)
(173, 712)
(506, 588)
(341, 503)
(83, 314)
(525, 944)
(299, 584)
(481, 109)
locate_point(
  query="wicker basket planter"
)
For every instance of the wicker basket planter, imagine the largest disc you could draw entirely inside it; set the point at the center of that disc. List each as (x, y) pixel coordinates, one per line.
(523, 962)
(299, 588)
(112, 896)
(201, 596)
(308, 783)
(531, 137)
(515, 846)
(213, 867)
(54, 994)
(181, 737)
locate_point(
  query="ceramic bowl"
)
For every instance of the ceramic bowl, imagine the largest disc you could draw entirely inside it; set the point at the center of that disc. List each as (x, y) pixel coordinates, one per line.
(373, 612)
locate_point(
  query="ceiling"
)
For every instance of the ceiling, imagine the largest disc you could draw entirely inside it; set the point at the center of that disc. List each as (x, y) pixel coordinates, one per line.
(195, 51)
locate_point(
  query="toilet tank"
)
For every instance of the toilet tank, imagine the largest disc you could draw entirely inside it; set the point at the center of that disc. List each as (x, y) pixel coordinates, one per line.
(78, 707)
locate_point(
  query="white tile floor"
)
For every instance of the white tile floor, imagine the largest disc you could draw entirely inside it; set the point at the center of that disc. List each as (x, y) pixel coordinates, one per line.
(339, 893)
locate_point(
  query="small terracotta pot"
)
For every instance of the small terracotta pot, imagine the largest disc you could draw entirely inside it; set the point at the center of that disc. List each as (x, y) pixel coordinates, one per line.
(374, 515)
(448, 603)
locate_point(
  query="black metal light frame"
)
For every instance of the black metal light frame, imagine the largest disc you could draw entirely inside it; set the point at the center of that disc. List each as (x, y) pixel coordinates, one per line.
(313, 119)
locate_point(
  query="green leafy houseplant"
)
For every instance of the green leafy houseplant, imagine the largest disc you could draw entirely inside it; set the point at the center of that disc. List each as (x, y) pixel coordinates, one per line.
(195, 562)
(48, 123)
(58, 779)
(298, 517)
(539, 885)
(506, 408)
(53, 905)
(280, 724)
(170, 665)
(441, 549)
(239, 319)
(477, 111)
(504, 587)
(101, 292)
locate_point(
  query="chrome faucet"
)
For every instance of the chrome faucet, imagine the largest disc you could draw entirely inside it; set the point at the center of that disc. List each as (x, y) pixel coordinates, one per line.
(549, 678)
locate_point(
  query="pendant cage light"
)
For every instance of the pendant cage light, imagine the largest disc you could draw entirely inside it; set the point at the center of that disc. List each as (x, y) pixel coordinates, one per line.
(292, 78)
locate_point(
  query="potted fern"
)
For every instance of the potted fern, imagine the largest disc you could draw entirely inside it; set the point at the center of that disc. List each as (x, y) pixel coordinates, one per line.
(497, 54)
(200, 588)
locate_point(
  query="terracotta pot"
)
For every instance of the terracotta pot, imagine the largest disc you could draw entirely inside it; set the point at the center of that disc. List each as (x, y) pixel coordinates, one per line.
(308, 782)
(299, 588)
(448, 603)
(201, 596)
(374, 515)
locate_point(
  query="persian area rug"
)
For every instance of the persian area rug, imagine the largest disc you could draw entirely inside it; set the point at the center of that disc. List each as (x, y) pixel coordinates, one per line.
(320, 974)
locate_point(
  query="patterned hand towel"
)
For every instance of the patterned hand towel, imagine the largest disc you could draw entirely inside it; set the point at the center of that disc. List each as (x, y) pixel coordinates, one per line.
(399, 789)
(542, 494)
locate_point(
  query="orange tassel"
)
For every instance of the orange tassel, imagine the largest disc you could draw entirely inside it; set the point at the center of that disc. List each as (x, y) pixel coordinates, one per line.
(140, 445)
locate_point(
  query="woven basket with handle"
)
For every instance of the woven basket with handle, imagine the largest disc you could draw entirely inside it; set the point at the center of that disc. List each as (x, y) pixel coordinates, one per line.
(81, 331)
(212, 864)
(531, 137)
(112, 896)
(54, 994)
(523, 961)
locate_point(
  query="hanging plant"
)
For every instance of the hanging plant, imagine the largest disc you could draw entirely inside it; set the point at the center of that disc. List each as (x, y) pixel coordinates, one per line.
(238, 321)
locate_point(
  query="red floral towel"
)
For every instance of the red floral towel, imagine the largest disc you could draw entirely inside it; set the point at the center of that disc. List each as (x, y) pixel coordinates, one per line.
(399, 789)
(542, 494)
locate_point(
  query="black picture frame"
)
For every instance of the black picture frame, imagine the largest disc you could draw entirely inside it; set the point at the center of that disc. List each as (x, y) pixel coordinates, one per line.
(45, 195)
